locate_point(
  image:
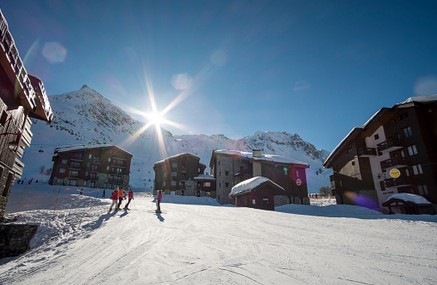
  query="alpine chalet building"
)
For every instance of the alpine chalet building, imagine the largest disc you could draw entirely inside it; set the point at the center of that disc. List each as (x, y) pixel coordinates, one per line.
(22, 97)
(394, 152)
(182, 174)
(230, 167)
(105, 167)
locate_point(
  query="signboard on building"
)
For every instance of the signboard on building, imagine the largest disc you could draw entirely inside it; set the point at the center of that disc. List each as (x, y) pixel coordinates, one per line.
(298, 182)
(395, 173)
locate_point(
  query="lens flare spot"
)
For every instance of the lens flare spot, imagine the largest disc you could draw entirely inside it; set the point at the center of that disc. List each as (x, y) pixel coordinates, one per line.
(54, 52)
(362, 200)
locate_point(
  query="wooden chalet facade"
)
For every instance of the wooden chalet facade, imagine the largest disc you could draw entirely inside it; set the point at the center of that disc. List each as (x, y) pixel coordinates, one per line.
(22, 97)
(394, 152)
(176, 175)
(106, 167)
(230, 167)
(257, 192)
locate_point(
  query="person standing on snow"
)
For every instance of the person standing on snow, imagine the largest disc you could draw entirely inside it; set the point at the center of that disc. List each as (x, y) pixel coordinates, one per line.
(130, 196)
(121, 196)
(114, 198)
(158, 201)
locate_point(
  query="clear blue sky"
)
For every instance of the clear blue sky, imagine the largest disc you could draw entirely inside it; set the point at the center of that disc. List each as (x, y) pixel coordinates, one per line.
(316, 68)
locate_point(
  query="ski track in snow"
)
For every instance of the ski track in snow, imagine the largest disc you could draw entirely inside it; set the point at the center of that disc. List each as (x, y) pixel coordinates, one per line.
(208, 244)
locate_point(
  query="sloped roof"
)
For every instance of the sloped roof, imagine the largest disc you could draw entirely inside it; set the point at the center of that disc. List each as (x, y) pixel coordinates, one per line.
(248, 185)
(264, 157)
(406, 197)
(177, 155)
(86, 147)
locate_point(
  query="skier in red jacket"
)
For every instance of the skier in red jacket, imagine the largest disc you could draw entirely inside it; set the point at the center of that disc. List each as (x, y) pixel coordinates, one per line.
(114, 198)
(130, 196)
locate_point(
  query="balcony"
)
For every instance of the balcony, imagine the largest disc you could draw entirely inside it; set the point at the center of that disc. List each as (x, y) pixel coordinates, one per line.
(389, 145)
(398, 182)
(43, 110)
(366, 151)
(397, 162)
(12, 68)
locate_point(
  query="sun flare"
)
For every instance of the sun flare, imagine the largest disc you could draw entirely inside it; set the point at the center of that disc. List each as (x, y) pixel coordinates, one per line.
(156, 118)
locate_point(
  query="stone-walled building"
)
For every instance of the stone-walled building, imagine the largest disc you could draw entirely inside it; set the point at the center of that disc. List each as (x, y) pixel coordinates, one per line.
(22, 97)
(230, 167)
(105, 167)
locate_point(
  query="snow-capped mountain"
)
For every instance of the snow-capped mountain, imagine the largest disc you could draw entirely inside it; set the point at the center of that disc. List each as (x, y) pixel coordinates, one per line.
(86, 117)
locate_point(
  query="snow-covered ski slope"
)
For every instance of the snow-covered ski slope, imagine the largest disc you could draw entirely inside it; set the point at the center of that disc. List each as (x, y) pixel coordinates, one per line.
(199, 242)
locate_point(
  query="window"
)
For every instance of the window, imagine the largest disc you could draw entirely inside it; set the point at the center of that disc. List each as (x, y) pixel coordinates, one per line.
(220, 185)
(64, 161)
(297, 171)
(412, 150)
(206, 184)
(77, 155)
(376, 137)
(174, 165)
(61, 170)
(94, 167)
(417, 169)
(226, 173)
(173, 183)
(74, 173)
(174, 174)
(423, 190)
(72, 182)
(407, 132)
(75, 164)
(227, 184)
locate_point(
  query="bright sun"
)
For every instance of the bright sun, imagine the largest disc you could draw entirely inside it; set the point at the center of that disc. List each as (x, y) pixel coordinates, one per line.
(156, 118)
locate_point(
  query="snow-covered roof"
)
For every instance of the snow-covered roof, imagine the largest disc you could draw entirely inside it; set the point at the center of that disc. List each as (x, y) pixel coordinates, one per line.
(175, 156)
(420, 99)
(408, 197)
(85, 147)
(249, 184)
(264, 157)
(204, 177)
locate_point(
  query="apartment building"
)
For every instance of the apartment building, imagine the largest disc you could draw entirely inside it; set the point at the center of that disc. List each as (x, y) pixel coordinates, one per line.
(394, 152)
(180, 175)
(106, 167)
(22, 97)
(230, 167)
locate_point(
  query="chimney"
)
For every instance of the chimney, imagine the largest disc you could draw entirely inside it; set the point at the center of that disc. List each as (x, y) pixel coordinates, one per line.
(256, 153)
(256, 164)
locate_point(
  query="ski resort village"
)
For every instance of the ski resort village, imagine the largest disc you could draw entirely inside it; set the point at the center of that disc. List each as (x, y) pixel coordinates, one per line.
(90, 195)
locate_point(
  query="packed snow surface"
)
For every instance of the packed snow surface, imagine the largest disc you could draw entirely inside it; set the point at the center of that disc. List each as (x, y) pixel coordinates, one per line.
(197, 241)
